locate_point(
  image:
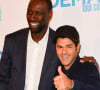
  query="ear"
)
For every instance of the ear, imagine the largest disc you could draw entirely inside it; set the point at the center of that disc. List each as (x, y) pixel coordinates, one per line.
(50, 14)
(78, 48)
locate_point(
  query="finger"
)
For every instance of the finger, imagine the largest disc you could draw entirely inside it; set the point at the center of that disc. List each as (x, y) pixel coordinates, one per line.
(92, 59)
(87, 59)
(56, 84)
(56, 78)
(82, 60)
(60, 70)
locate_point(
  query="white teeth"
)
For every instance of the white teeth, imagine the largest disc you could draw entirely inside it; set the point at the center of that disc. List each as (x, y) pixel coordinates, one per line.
(34, 23)
(64, 56)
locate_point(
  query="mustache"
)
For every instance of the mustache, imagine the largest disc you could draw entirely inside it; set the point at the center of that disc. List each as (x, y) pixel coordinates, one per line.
(34, 21)
(64, 54)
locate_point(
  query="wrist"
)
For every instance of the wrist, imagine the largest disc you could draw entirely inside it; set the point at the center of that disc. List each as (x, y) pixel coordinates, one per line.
(72, 85)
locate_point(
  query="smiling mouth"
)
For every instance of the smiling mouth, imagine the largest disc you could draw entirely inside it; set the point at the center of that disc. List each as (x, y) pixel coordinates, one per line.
(34, 24)
(65, 56)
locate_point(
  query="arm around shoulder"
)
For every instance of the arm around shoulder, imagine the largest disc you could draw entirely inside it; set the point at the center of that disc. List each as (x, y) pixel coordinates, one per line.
(91, 80)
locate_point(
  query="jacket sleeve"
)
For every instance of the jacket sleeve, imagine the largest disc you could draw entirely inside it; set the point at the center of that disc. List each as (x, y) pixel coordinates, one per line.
(5, 65)
(91, 80)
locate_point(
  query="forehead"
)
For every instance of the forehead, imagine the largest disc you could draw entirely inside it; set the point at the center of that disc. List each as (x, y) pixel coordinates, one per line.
(41, 4)
(64, 41)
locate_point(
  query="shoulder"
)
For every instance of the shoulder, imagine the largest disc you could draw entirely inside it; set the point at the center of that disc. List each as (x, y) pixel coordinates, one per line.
(89, 68)
(17, 33)
(51, 33)
(17, 36)
(88, 65)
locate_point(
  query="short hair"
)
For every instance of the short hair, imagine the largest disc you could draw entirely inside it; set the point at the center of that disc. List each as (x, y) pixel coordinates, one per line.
(49, 3)
(67, 31)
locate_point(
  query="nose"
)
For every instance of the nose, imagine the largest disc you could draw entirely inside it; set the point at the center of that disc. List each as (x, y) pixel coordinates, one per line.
(64, 50)
(33, 16)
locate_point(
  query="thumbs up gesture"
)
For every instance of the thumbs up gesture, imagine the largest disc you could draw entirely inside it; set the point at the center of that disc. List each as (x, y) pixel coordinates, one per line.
(61, 81)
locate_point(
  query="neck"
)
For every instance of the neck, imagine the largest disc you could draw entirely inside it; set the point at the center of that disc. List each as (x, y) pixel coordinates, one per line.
(38, 36)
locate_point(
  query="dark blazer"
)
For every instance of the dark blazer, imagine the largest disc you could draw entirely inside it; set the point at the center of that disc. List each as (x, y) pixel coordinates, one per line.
(13, 62)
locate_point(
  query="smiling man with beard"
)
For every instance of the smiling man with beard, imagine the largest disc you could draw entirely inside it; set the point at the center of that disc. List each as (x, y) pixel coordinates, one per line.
(38, 16)
(29, 60)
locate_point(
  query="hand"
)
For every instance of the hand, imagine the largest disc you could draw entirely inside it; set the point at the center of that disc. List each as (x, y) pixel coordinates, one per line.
(61, 81)
(88, 59)
(91, 60)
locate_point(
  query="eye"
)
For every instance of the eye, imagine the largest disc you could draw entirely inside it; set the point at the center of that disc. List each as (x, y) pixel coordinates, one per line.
(30, 12)
(58, 46)
(69, 46)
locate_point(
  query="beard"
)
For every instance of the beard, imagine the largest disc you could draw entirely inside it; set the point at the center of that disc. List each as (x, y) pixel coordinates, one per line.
(39, 28)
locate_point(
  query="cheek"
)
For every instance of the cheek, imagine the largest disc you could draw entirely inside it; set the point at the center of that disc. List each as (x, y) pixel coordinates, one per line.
(58, 52)
(59, 56)
(73, 54)
(28, 17)
(45, 19)
(40, 17)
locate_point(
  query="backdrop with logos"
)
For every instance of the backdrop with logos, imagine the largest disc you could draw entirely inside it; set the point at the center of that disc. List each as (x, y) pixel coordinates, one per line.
(83, 14)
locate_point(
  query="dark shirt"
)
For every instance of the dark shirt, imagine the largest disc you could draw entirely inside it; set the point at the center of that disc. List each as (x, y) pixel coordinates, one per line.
(85, 75)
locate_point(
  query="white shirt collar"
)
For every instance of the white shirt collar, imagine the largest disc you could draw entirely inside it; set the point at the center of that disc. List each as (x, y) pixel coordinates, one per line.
(45, 38)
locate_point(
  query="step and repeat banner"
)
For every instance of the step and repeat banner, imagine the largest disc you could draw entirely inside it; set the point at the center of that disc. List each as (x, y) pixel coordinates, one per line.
(83, 14)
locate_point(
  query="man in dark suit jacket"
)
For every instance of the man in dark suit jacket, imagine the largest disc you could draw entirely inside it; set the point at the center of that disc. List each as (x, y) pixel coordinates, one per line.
(13, 68)
(13, 60)
(73, 75)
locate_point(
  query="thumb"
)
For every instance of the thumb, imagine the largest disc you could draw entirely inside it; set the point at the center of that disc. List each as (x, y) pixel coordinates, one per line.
(60, 70)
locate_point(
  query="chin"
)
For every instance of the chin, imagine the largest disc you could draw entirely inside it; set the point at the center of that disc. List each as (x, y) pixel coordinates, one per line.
(34, 30)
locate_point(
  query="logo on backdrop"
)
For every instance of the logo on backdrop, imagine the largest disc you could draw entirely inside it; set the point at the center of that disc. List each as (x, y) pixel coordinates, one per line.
(0, 54)
(87, 5)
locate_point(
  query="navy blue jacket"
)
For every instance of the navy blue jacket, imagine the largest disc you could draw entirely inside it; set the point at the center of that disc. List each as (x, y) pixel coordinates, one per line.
(13, 62)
